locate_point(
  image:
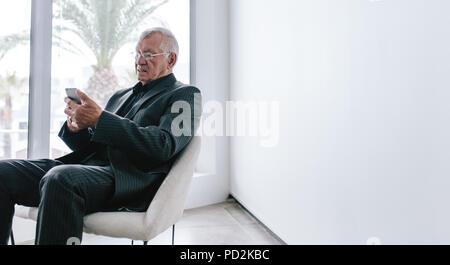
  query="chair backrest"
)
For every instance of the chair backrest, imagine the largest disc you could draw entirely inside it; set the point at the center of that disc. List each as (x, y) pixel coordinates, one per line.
(169, 201)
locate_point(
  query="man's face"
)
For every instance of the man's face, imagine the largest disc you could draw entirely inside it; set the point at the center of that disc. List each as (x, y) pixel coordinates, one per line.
(151, 69)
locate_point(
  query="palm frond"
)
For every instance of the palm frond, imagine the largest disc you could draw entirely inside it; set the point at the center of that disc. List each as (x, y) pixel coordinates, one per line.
(141, 12)
(104, 25)
(66, 45)
(72, 16)
(10, 42)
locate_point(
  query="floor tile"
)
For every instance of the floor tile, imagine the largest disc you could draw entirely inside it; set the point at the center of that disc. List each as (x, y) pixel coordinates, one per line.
(213, 235)
(239, 214)
(206, 216)
(225, 223)
(260, 235)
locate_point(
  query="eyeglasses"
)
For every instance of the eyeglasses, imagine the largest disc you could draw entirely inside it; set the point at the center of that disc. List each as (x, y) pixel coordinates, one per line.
(148, 55)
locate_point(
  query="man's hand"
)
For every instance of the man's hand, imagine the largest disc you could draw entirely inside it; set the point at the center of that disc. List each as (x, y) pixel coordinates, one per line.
(82, 116)
(73, 127)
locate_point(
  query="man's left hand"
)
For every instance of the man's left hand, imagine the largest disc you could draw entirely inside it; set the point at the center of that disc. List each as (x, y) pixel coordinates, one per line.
(84, 115)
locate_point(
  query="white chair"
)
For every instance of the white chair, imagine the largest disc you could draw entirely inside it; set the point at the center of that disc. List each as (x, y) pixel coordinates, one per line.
(163, 212)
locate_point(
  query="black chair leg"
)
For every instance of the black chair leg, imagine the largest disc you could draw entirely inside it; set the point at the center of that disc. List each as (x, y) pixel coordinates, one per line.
(145, 242)
(12, 238)
(173, 234)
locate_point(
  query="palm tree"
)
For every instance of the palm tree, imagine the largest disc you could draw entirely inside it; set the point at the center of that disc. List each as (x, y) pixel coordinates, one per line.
(8, 82)
(104, 26)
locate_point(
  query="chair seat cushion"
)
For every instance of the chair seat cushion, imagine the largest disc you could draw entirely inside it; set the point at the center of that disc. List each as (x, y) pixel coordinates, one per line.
(26, 212)
(114, 224)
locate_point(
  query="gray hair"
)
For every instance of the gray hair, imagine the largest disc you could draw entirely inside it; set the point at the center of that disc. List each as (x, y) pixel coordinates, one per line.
(168, 44)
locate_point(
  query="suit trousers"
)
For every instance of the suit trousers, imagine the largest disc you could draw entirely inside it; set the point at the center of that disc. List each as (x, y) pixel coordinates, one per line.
(64, 193)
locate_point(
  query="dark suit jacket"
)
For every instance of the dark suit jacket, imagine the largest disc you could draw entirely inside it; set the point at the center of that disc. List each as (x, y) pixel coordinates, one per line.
(141, 146)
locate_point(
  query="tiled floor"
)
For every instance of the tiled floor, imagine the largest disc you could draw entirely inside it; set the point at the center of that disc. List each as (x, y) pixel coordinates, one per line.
(225, 223)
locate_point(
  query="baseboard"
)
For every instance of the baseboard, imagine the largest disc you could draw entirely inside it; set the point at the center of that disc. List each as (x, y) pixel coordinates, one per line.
(232, 197)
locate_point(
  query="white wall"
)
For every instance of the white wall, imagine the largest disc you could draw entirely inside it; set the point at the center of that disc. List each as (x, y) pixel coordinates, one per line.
(210, 61)
(364, 95)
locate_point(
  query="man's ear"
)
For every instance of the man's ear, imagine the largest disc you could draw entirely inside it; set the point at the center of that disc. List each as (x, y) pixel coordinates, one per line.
(172, 60)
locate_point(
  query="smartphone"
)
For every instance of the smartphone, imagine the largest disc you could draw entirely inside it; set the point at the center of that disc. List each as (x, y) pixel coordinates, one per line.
(72, 94)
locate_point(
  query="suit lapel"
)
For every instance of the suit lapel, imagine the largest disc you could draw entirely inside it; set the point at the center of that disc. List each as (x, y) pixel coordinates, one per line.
(122, 101)
(163, 86)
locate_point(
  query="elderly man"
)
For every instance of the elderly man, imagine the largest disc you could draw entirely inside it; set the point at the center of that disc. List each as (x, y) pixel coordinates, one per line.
(121, 154)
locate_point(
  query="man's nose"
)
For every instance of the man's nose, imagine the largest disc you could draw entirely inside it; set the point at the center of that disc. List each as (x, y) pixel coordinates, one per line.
(141, 60)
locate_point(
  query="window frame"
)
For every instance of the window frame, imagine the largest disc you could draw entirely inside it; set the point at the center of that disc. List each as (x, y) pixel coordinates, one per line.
(40, 79)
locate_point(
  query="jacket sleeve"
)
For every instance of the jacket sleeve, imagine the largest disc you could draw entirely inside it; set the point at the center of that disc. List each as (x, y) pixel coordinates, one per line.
(160, 142)
(75, 141)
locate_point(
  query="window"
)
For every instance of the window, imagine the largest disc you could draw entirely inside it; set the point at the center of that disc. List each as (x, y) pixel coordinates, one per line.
(14, 75)
(75, 60)
(94, 45)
